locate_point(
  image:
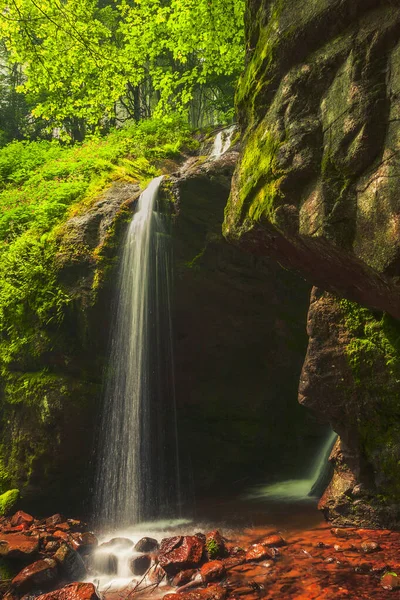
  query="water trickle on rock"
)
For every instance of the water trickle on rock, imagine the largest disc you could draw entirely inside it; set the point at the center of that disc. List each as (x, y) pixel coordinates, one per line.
(137, 474)
(301, 489)
(222, 142)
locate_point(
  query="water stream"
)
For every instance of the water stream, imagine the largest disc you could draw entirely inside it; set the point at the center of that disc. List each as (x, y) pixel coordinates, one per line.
(138, 475)
(301, 489)
(222, 142)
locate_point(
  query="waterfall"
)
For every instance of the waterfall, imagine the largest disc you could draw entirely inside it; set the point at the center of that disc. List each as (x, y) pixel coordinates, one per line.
(137, 475)
(301, 489)
(222, 142)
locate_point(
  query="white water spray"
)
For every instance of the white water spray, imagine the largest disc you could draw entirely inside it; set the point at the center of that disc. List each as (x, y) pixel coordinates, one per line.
(222, 142)
(299, 489)
(137, 475)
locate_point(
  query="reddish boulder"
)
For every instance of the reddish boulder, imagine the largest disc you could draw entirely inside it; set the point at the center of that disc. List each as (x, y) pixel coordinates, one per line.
(369, 547)
(61, 535)
(212, 592)
(18, 545)
(21, 518)
(73, 591)
(183, 577)
(181, 552)
(274, 541)
(258, 552)
(54, 520)
(390, 581)
(212, 571)
(215, 545)
(40, 574)
(84, 542)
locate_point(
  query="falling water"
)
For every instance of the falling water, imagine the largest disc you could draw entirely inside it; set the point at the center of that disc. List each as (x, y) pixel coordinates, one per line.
(301, 489)
(222, 142)
(137, 475)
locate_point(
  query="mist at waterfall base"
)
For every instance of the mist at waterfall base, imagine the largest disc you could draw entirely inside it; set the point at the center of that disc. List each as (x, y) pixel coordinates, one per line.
(137, 470)
(305, 489)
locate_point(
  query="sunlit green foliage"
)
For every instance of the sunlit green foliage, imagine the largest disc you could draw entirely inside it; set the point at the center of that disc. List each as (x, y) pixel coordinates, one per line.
(41, 185)
(94, 62)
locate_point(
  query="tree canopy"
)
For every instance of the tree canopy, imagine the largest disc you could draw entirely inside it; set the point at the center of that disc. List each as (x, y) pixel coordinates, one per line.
(92, 63)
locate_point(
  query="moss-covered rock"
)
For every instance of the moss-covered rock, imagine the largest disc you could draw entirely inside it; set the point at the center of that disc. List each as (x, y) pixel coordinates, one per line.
(351, 376)
(8, 501)
(315, 185)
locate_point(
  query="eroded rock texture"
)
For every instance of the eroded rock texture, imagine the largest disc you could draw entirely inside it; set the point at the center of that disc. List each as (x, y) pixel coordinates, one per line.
(316, 187)
(240, 339)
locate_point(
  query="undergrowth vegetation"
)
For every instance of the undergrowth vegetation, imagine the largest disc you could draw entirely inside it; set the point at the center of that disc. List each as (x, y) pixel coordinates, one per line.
(42, 184)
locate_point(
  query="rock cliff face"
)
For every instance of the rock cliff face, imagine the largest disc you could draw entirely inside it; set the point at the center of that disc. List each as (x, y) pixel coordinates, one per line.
(316, 188)
(49, 397)
(236, 394)
(239, 339)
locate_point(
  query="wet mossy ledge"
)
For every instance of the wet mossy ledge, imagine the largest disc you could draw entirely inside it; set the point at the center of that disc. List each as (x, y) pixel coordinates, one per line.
(63, 211)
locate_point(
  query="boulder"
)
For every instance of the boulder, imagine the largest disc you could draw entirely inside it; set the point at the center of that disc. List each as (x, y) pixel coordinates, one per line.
(39, 575)
(8, 501)
(390, 581)
(146, 544)
(54, 520)
(275, 541)
(73, 591)
(215, 545)
(71, 564)
(212, 571)
(140, 564)
(21, 518)
(258, 552)
(18, 545)
(181, 552)
(84, 542)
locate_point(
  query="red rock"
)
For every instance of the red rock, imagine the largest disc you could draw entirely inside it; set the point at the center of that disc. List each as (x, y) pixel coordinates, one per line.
(369, 547)
(234, 561)
(212, 571)
(73, 591)
(22, 518)
(18, 545)
(54, 520)
(40, 574)
(344, 533)
(61, 535)
(215, 545)
(390, 581)
(258, 552)
(180, 553)
(275, 541)
(212, 592)
(183, 577)
(84, 542)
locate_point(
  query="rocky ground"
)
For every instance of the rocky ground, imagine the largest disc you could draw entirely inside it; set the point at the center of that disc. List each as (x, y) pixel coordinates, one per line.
(50, 559)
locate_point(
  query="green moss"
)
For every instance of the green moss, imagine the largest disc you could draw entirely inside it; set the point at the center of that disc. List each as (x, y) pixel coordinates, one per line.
(8, 501)
(212, 548)
(259, 72)
(259, 178)
(373, 353)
